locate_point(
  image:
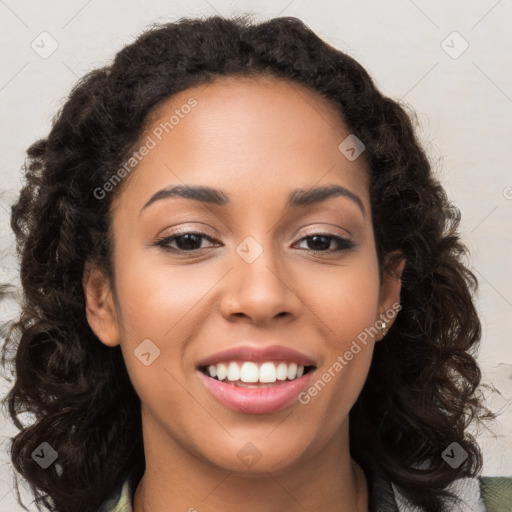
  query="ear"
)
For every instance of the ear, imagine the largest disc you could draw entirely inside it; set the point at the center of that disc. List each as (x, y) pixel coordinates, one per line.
(99, 305)
(389, 297)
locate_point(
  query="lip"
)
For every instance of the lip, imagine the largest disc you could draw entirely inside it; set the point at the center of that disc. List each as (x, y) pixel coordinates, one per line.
(259, 354)
(256, 400)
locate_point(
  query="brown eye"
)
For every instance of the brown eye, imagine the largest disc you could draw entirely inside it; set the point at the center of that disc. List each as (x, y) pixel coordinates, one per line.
(321, 242)
(185, 242)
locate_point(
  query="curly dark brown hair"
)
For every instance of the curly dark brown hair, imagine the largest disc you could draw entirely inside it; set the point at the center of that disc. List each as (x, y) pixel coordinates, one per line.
(422, 391)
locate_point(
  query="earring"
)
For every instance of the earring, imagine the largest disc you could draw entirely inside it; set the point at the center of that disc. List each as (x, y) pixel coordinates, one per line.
(384, 328)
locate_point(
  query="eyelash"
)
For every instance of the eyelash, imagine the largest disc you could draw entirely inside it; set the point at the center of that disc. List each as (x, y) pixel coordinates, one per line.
(343, 243)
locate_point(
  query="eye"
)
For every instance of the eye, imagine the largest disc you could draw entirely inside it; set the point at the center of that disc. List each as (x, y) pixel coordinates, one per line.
(321, 242)
(185, 241)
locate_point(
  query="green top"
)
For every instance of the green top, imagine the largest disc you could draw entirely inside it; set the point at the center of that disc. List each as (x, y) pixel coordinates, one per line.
(496, 493)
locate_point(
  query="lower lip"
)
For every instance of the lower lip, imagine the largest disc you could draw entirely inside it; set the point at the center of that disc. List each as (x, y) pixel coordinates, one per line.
(256, 400)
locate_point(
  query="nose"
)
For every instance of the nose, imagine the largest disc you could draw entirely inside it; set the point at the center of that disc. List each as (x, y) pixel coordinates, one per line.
(259, 291)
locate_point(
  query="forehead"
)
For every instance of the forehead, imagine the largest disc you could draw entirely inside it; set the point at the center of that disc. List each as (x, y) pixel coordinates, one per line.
(237, 106)
(242, 130)
(240, 94)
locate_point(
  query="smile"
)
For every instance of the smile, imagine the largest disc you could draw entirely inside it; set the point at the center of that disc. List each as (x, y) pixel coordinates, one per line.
(256, 396)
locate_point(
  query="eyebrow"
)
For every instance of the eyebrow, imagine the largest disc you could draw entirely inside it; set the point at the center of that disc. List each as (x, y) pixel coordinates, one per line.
(297, 198)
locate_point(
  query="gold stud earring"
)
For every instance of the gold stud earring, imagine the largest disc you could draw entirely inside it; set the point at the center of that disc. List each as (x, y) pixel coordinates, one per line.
(384, 328)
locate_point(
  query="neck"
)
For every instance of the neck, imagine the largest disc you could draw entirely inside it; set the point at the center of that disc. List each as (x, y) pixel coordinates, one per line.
(177, 480)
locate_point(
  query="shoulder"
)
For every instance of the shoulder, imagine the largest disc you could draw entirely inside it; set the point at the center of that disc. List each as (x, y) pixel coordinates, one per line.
(466, 489)
(496, 493)
(479, 494)
(482, 494)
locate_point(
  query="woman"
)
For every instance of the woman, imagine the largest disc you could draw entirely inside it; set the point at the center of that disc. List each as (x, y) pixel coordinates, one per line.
(242, 285)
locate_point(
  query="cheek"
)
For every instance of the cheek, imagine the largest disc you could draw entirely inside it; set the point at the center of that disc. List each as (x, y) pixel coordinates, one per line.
(160, 303)
(346, 298)
(346, 302)
(157, 299)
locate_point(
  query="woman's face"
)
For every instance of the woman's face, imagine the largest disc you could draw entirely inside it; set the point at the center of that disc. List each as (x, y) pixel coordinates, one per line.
(249, 278)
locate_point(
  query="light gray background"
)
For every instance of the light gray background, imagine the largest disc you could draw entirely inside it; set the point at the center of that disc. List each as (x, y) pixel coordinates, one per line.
(464, 106)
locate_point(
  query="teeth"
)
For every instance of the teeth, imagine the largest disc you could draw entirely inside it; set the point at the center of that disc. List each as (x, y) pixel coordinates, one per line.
(292, 371)
(267, 372)
(221, 371)
(282, 371)
(233, 371)
(250, 372)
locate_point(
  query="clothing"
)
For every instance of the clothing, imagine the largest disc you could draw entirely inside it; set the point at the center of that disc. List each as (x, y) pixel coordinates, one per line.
(383, 496)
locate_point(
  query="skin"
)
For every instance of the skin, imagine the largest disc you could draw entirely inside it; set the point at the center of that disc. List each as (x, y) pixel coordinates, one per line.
(257, 139)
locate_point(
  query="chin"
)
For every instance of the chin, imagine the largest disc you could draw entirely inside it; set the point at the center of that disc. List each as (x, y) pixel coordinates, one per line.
(252, 462)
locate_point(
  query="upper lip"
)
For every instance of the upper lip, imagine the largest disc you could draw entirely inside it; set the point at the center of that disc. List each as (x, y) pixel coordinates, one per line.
(258, 354)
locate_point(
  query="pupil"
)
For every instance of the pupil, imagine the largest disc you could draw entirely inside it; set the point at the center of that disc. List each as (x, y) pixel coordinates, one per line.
(315, 239)
(190, 241)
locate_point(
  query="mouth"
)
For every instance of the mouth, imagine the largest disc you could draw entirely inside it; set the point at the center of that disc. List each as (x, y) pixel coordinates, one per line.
(255, 379)
(252, 374)
(251, 387)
